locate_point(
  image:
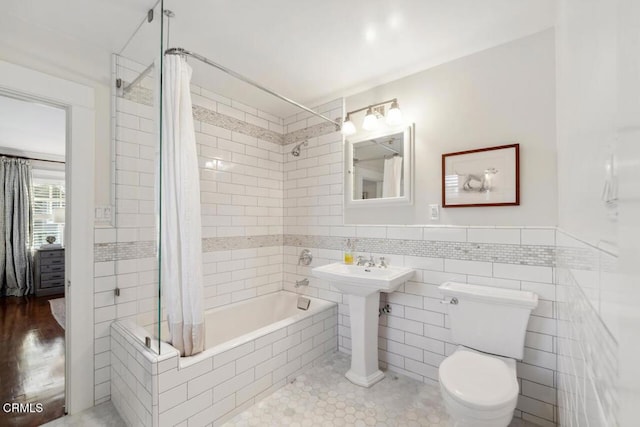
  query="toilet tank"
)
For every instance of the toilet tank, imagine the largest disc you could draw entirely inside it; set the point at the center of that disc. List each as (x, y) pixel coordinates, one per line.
(493, 320)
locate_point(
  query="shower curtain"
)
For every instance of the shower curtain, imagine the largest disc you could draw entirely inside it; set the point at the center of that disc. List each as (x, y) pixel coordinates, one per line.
(181, 240)
(392, 177)
(16, 227)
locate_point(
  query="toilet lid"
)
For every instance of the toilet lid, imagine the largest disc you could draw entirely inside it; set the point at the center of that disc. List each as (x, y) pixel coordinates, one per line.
(478, 380)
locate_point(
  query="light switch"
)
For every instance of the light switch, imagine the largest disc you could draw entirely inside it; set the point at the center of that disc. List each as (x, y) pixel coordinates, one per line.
(434, 212)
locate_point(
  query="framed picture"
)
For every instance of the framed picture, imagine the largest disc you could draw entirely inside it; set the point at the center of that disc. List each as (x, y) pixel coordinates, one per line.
(482, 177)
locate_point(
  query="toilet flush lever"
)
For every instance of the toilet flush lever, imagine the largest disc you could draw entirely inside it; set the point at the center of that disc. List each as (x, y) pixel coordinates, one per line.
(453, 301)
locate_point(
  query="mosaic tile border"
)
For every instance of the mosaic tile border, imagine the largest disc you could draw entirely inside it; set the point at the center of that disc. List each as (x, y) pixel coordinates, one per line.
(236, 125)
(214, 244)
(576, 258)
(139, 95)
(309, 132)
(104, 252)
(489, 252)
(142, 95)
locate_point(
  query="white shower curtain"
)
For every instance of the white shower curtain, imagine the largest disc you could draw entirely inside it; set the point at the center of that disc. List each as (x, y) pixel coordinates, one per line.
(392, 179)
(181, 240)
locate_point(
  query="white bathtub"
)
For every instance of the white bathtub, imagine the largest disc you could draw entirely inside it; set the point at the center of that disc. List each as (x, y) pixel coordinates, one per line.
(253, 347)
(231, 325)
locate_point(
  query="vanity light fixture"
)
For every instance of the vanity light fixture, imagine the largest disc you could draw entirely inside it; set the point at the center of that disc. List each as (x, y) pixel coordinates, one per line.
(371, 119)
(394, 115)
(348, 128)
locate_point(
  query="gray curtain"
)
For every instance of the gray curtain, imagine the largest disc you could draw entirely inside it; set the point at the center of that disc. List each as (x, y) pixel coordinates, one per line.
(16, 227)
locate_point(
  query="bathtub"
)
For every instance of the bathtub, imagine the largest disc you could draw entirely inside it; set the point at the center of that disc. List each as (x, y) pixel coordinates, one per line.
(253, 347)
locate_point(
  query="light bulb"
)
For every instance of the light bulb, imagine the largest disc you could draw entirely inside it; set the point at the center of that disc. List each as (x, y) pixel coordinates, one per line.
(370, 120)
(394, 115)
(348, 128)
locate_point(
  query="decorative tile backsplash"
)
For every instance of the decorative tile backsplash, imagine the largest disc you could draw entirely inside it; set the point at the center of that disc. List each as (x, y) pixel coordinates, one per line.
(104, 252)
(503, 253)
(468, 251)
(146, 249)
(313, 131)
(235, 125)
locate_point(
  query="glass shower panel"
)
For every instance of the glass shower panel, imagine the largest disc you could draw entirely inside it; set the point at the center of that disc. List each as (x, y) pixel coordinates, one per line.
(137, 141)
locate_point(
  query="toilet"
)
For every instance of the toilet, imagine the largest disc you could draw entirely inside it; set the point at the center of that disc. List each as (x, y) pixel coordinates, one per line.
(478, 381)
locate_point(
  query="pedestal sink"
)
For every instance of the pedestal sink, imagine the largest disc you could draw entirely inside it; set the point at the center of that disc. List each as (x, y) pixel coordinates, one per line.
(363, 285)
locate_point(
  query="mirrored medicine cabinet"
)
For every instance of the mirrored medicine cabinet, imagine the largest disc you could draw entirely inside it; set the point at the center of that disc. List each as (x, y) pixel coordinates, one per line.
(379, 168)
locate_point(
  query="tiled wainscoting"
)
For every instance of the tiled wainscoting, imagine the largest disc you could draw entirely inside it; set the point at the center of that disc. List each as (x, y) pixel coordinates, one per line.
(587, 348)
(152, 390)
(415, 337)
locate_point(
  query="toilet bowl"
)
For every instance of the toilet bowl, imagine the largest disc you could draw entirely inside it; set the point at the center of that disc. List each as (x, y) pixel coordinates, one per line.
(478, 389)
(478, 381)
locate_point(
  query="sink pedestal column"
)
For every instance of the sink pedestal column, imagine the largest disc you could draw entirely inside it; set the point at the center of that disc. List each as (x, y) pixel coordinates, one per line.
(363, 311)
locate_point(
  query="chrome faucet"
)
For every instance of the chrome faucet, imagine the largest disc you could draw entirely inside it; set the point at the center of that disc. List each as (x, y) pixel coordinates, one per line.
(371, 262)
(382, 263)
(360, 261)
(305, 257)
(303, 282)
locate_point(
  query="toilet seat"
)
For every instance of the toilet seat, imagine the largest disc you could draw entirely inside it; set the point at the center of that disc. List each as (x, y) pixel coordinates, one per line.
(478, 381)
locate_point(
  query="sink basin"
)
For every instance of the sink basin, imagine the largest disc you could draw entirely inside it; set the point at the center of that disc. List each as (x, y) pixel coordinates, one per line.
(363, 285)
(358, 280)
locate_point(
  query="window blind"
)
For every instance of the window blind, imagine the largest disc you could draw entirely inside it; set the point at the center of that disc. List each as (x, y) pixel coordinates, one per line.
(46, 197)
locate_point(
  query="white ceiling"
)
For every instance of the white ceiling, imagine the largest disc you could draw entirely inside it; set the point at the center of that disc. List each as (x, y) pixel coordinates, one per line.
(311, 51)
(31, 129)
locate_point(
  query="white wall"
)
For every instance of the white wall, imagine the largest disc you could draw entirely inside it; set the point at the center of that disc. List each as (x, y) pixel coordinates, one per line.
(598, 105)
(498, 96)
(76, 71)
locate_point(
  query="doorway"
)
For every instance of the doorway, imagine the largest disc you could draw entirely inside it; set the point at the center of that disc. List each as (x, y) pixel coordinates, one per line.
(32, 269)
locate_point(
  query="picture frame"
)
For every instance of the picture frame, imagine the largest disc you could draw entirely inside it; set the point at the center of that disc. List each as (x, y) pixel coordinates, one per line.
(481, 177)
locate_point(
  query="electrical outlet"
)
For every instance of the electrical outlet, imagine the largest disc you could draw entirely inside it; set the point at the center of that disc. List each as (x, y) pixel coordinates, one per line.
(434, 212)
(103, 213)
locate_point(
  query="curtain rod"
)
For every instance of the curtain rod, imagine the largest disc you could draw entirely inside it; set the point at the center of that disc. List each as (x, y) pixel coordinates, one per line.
(385, 157)
(31, 158)
(180, 51)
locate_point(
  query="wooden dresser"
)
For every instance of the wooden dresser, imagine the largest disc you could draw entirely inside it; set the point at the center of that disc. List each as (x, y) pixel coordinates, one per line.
(48, 271)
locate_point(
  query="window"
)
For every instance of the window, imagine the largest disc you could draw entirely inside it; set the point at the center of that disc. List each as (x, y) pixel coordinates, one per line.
(47, 196)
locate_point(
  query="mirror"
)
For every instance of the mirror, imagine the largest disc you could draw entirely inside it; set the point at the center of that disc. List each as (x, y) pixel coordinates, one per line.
(379, 167)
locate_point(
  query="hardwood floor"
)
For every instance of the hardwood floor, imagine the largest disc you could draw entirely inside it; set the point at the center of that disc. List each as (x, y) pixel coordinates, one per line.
(31, 360)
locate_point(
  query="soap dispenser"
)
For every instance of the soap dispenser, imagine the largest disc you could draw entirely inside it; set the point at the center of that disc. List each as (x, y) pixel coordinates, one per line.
(348, 252)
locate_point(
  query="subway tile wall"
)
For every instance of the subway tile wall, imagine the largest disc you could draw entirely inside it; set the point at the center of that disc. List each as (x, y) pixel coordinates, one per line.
(415, 336)
(587, 346)
(152, 390)
(241, 166)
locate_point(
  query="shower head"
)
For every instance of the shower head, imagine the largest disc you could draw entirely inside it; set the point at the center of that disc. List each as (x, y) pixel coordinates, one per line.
(296, 150)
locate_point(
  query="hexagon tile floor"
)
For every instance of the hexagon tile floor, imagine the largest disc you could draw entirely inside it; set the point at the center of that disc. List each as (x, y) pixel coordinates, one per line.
(324, 397)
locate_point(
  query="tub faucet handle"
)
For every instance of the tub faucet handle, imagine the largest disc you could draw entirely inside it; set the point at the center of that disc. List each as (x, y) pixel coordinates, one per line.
(305, 257)
(303, 282)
